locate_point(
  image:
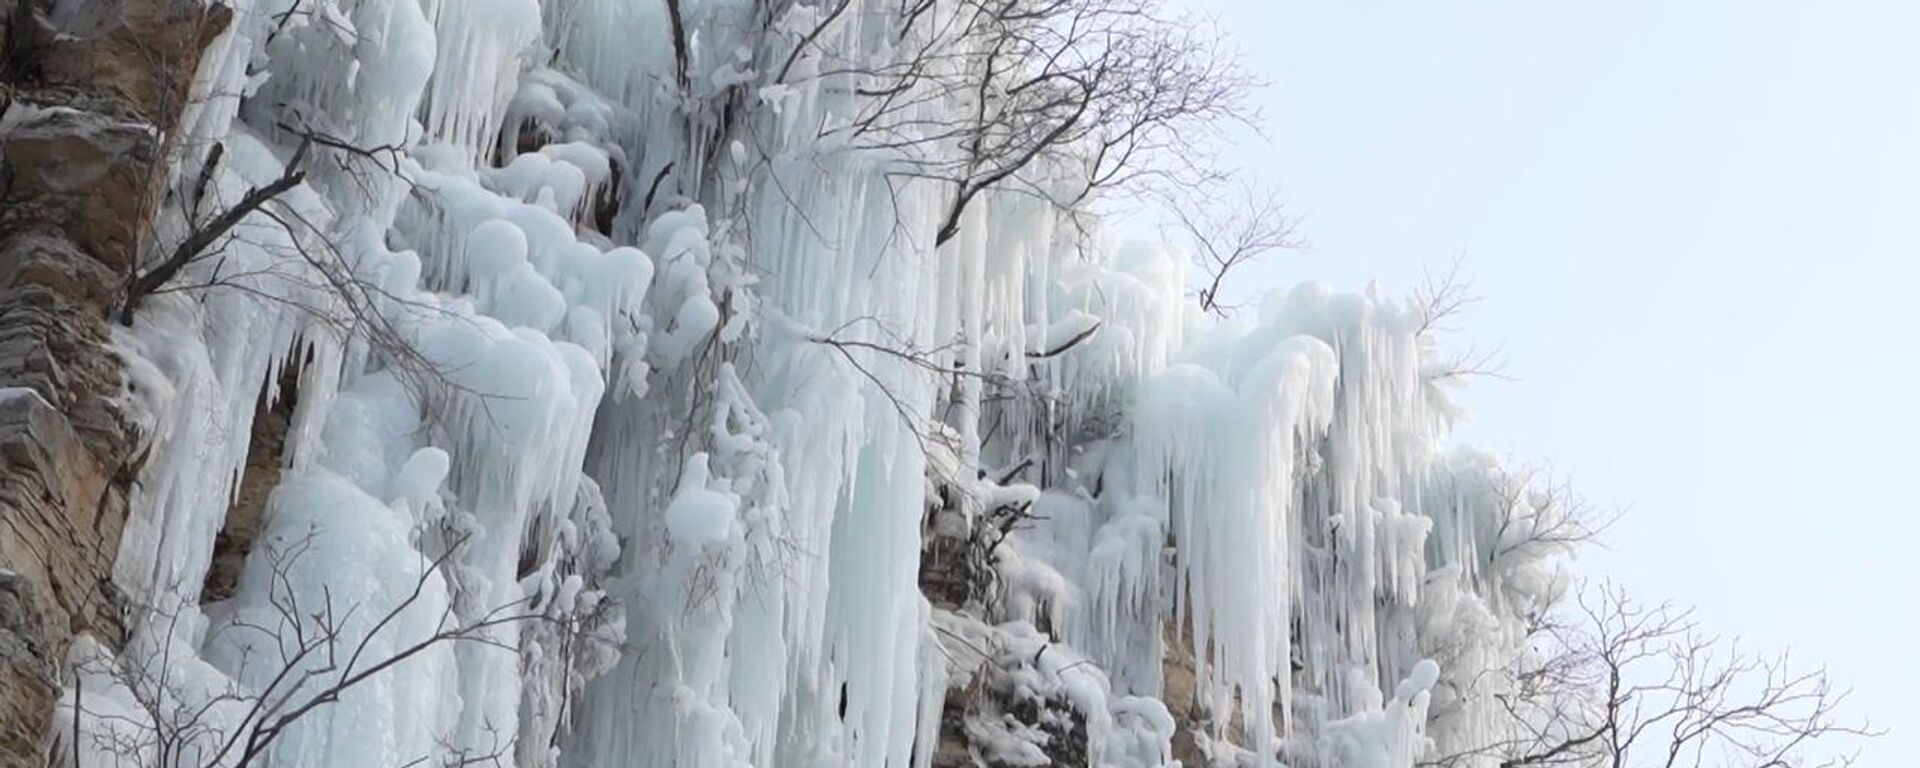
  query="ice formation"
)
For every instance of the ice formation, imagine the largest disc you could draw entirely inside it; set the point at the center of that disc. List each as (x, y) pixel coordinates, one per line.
(634, 409)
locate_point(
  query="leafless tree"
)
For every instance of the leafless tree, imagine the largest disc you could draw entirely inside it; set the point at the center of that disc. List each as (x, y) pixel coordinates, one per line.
(1439, 300)
(203, 236)
(1441, 297)
(306, 271)
(1538, 512)
(1229, 236)
(1118, 91)
(1621, 684)
(1059, 100)
(263, 246)
(208, 233)
(313, 655)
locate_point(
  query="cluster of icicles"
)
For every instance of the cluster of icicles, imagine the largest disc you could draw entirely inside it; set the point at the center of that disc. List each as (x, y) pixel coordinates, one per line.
(695, 436)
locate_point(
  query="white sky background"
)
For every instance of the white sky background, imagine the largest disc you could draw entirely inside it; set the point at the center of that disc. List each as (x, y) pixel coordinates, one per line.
(1695, 226)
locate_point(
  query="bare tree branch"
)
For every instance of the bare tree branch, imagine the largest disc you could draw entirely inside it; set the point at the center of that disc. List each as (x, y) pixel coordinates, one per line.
(1632, 685)
(1229, 237)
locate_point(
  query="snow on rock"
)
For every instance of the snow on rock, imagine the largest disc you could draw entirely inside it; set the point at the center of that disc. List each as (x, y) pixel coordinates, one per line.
(1386, 735)
(1028, 700)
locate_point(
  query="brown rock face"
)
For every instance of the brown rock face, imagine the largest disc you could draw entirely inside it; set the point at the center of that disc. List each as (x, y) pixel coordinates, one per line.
(80, 164)
(62, 444)
(63, 515)
(25, 675)
(80, 177)
(139, 54)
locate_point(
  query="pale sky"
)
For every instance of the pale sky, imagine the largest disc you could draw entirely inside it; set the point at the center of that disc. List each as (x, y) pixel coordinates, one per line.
(1695, 226)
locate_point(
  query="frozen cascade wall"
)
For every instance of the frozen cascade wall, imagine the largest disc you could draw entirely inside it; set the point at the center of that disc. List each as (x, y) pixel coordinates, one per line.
(632, 410)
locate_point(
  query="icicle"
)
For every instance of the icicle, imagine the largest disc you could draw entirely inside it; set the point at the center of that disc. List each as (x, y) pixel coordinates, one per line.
(678, 368)
(476, 74)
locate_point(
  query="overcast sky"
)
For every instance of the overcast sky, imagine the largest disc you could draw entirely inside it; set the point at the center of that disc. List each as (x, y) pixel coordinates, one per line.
(1696, 229)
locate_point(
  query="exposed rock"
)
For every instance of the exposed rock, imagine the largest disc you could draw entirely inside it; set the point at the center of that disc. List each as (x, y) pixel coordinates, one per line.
(142, 54)
(26, 674)
(1195, 727)
(78, 176)
(987, 708)
(79, 173)
(63, 513)
(1177, 690)
(245, 516)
